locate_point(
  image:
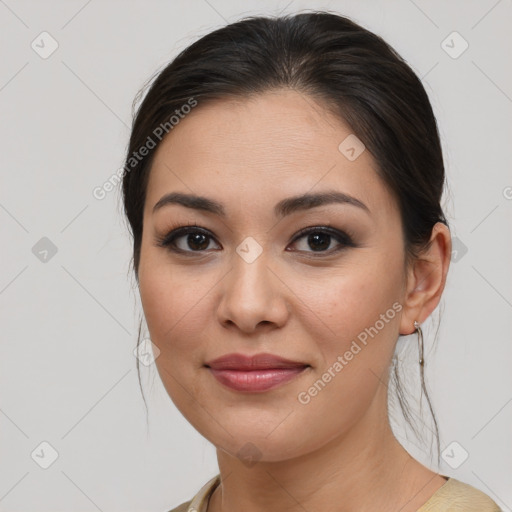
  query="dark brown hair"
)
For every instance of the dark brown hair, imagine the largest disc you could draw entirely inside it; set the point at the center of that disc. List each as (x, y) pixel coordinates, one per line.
(351, 71)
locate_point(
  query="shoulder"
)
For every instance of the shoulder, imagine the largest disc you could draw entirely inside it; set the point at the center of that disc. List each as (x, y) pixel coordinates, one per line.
(457, 496)
(182, 508)
(198, 502)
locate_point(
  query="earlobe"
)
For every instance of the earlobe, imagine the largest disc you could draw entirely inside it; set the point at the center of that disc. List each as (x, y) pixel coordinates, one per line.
(426, 280)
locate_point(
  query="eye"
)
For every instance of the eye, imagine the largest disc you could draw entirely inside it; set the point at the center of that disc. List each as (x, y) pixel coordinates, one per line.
(186, 239)
(194, 239)
(320, 240)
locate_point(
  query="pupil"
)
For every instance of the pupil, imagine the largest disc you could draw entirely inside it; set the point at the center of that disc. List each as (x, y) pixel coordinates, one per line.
(319, 237)
(195, 239)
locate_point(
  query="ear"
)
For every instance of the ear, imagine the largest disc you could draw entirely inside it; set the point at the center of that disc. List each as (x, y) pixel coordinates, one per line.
(426, 279)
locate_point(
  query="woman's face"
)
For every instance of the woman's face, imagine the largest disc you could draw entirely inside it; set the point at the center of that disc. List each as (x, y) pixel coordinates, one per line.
(246, 283)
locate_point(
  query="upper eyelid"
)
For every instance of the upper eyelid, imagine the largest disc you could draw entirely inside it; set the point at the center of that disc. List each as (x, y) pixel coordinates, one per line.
(325, 228)
(186, 229)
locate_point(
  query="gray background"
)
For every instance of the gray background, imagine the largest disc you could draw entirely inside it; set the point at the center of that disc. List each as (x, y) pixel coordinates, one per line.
(68, 323)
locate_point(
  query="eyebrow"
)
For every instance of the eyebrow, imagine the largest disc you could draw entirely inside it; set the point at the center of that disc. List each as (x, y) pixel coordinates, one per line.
(282, 208)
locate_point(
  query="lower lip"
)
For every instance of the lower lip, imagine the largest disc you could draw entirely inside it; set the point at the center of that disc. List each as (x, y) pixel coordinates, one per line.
(256, 380)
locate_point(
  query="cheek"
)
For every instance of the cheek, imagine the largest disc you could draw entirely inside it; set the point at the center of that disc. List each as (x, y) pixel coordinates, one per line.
(175, 303)
(175, 315)
(356, 316)
(168, 303)
(361, 323)
(346, 304)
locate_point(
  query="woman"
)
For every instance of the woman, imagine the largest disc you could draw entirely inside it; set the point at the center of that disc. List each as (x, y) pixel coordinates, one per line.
(283, 184)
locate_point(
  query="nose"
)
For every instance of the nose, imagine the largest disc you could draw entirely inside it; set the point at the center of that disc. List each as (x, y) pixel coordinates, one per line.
(253, 297)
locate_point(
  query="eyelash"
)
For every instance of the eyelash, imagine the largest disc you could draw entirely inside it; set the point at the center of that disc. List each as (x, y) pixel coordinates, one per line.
(345, 238)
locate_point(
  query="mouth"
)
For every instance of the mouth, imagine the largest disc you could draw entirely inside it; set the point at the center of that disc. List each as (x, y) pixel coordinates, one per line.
(257, 373)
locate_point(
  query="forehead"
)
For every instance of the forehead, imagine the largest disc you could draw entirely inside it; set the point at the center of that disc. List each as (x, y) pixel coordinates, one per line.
(269, 145)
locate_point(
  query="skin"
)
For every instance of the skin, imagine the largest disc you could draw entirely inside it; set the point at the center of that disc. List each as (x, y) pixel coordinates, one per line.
(294, 300)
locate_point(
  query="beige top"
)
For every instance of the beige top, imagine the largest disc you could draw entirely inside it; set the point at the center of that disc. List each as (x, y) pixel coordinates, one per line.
(453, 496)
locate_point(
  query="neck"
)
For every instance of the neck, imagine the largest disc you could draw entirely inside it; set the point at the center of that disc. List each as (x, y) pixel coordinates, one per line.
(364, 468)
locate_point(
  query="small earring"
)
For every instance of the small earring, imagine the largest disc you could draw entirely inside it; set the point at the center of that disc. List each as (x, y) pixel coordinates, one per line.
(417, 329)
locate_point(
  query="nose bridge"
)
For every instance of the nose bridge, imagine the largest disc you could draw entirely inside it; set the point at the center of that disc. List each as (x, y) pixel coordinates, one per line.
(249, 280)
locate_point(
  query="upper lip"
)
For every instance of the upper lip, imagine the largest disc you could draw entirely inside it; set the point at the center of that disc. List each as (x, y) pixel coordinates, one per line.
(263, 361)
